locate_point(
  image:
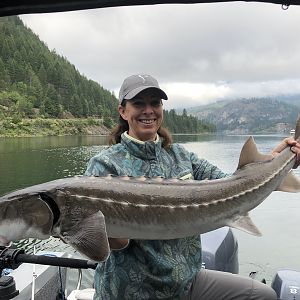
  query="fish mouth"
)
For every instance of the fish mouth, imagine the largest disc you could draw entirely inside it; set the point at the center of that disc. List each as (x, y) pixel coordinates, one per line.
(4, 242)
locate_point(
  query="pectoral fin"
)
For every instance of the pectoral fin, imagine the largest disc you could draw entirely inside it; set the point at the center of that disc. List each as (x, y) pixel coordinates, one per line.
(245, 223)
(89, 237)
(290, 183)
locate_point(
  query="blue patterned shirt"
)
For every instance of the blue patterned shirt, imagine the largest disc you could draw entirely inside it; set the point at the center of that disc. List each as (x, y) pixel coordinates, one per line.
(150, 269)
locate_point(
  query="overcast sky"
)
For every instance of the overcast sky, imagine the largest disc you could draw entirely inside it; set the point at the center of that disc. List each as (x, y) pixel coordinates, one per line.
(198, 52)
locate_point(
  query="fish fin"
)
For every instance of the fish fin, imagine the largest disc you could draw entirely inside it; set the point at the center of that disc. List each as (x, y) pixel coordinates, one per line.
(250, 154)
(290, 183)
(89, 237)
(245, 223)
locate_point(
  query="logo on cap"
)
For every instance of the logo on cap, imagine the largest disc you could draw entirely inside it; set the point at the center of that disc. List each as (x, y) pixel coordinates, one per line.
(143, 77)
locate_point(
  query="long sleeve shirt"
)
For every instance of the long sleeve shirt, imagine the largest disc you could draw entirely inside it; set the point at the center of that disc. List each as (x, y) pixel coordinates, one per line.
(150, 269)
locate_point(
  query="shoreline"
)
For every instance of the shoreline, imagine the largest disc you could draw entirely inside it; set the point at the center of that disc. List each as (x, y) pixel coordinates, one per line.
(40, 127)
(52, 127)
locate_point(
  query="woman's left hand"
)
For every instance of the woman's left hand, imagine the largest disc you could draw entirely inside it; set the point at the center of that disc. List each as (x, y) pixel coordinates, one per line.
(295, 147)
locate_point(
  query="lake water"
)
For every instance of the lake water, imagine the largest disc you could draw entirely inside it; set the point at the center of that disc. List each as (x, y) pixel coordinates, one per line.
(29, 161)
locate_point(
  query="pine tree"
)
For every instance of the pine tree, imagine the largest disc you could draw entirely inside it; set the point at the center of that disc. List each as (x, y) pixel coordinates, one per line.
(33, 78)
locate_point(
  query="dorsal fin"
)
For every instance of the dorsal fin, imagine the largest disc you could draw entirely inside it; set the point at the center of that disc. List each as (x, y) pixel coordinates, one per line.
(250, 154)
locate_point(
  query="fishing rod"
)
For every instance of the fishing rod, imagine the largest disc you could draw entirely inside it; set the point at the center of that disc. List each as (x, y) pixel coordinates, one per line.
(11, 258)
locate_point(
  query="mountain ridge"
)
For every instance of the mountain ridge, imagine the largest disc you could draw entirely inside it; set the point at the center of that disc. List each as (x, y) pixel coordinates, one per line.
(251, 115)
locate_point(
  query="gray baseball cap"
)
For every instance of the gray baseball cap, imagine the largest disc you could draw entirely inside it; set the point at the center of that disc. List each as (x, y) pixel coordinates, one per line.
(134, 84)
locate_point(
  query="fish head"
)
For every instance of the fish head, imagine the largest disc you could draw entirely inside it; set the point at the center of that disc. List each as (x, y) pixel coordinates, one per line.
(24, 215)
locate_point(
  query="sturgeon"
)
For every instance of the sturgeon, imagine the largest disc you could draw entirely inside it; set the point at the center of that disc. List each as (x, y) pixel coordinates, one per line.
(84, 211)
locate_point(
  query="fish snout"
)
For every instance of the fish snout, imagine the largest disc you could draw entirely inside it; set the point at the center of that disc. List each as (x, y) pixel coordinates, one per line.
(4, 241)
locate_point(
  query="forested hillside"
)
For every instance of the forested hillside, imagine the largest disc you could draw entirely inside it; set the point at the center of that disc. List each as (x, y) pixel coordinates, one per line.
(185, 123)
(36, 83)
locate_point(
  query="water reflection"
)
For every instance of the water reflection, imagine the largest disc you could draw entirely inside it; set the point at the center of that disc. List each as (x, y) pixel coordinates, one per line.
(186, 138)
(29, 161)
(49, 142)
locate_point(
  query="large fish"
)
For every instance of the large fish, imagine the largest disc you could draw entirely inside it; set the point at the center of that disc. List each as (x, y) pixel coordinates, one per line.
(85, 211)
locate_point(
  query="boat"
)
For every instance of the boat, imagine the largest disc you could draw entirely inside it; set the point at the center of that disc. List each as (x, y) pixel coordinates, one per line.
(48, 282)
(16, 7)
(219, 251)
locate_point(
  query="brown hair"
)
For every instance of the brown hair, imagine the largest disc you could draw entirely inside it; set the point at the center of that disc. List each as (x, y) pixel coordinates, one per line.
(115, 135)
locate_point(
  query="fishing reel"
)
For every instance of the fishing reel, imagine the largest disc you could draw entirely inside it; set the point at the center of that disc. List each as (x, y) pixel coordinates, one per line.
(8, 261)
(8, 258)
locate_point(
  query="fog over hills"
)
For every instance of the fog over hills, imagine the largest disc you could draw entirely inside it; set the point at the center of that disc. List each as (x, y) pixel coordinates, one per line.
(255, 115)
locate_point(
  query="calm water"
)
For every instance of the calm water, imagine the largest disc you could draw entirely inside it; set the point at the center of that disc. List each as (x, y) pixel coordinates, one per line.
(28, 161)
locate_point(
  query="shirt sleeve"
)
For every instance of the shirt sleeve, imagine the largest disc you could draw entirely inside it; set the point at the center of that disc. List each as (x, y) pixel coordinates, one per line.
(203, 169)
(100, 165)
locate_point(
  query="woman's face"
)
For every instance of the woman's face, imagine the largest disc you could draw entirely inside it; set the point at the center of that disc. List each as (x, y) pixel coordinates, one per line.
(144, 114)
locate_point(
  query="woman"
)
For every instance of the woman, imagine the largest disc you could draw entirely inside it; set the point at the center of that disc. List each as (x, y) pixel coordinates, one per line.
(160, 269)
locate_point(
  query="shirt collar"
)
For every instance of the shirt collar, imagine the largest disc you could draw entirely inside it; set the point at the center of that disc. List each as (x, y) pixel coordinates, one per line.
(148, 150)
(139, 141)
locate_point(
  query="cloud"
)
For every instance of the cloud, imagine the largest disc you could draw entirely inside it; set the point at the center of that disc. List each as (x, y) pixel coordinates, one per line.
(198, 52)
(184, 94)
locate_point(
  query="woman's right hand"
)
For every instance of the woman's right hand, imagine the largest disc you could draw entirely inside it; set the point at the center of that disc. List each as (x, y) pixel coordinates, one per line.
(293, 144)
(118, 244)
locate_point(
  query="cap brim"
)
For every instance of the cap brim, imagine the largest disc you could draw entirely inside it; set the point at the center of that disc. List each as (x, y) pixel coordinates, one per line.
(136, 91)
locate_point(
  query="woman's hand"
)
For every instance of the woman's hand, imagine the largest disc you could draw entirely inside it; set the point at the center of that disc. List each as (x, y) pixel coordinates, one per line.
(118, 244)
(295, 147)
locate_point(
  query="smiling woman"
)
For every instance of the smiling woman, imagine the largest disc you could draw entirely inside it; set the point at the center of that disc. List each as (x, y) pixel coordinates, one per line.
(146, 268)
(143, 109)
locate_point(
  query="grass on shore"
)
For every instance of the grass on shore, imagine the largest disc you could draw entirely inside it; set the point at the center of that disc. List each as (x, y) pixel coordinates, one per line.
(14, 127)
